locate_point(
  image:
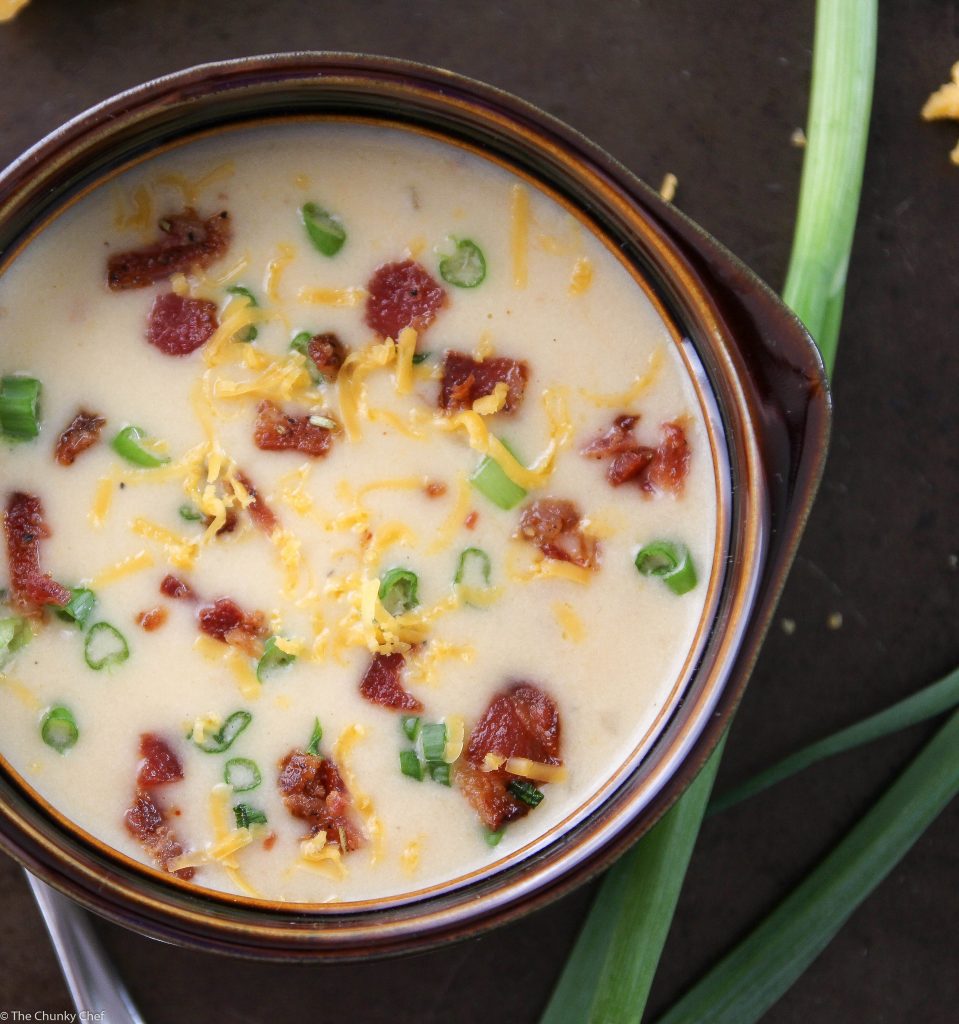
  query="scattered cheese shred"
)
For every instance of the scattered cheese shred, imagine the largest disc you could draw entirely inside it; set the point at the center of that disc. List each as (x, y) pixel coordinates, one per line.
(318, 852)
(126, 567)
(519, 234)
(275, 269)
(405, 350)
(342, 748)
(491, 404)
(349, 382)
(333, 296)
(581, 277)
(944, 103)
(21, 691)
(424, 664)
(484, 347)
(205, 725)
(455, 734)
(236, 661)
(180, 551)
(535, 770)
(454, 521)
(622, 399)
(569, 622)
(491, 762)
(410, 857)
(102, 500)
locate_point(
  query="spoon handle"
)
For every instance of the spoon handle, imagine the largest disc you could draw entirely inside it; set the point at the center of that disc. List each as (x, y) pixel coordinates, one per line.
(90, 974)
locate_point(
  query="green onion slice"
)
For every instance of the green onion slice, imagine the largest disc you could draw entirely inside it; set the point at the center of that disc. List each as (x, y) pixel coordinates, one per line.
(316, 737)
(242, 774)
(105, 646)
(420, 357)
(301, 344)
(411, 765)
(398, 591)
(326, 230)
(247, 333)
(79, 607)
(433, 736)
(465, 267)
(670, 562)
(190, 513)
(133, 444)
(411, 726)
(272, 658)
(58, 729)
(19, 407)
(526, 792)
(229, 731)
(247, 815)
(15, 633)
(440, 772)
(492, 837)
(490, 480)
(473, 560)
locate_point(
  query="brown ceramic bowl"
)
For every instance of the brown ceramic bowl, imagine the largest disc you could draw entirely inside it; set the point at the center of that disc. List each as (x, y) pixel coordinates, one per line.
(760, 379)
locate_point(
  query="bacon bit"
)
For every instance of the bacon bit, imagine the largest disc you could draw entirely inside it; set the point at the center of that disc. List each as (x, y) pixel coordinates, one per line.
(629, 465)
(158, 764)
(187, 243)
(226, 621)
(313, 789)
(521, 722)
(402, 295)
(553, 525)
(152, 619)
(179, 325)
(663, 468)
(381, 684)
(147, 822)
(276, 431)
(269, 841)
(471, 520)
(25, 527)
(619, 438)
(264, 518)
(327, 353)
(176, 589)
(83, 433)
(435, 489)
(667, 471)
(465, 379)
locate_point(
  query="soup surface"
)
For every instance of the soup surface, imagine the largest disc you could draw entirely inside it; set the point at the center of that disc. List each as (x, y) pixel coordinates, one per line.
(368, 523)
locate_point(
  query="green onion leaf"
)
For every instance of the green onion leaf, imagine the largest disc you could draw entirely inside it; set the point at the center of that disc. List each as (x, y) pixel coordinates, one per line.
(316, 737)
(480, 562)
(411, 727)
(670, 563)
(272, 658)
(133, 444)
(247, 333)
(490, 480)
(247, 815)
(58, 729)
(326, 230)
(105, 646)
(420, 357)
(465, 267)
(190, 513)
(491, 837)
(19, 407)
(242, 774)
(411, 765)
(301, 344)
(433, 736)
(398, 591)
(440, 772)
(526, 792)
(228, 733)
(79, 607)
(15, 633)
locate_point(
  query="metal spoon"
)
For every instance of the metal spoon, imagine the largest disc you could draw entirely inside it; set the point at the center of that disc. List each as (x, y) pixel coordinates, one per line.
(91, 976)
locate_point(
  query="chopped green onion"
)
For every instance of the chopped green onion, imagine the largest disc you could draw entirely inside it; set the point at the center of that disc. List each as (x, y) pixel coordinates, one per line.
(272, 658)
(326, 230)
(398, 591)
(420, 357)
(433, 736)
(132, 443)
(105, 646)
(440, 772)
(190, 513)
(492, 837)
(301, 344)
(476, 557)
(323, 421)
(15, 633)
(79, 607)
(19, 407)
(247, 815)
(411, 765)
(465, 267)
(316, 737)
(242, 774)
(670, 563)
(526, 792)
(490, 480)
(248, 333)
(58, 729)
(229, 731)
(411, 727)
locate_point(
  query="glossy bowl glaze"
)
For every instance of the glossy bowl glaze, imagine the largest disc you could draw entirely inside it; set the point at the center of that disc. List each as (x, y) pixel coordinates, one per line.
(758, 370)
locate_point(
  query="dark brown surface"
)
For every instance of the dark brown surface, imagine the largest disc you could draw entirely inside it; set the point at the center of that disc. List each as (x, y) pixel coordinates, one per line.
(665, 86)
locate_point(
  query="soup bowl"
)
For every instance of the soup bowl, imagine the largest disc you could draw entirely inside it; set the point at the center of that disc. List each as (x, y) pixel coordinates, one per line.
(759, 378)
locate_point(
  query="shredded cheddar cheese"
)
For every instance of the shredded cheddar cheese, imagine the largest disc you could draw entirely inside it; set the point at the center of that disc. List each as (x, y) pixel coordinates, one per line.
(623, 399)
(569, 622)
(491, 404)
(333, 296)
(944, 103)
(405, 350)
(344, 744)
(519, 234)
(535, 770)
(492, 762)
(180, 551)
(454, 521)
(581, 277)
(410, 856)
(21, 691)
(125, 567)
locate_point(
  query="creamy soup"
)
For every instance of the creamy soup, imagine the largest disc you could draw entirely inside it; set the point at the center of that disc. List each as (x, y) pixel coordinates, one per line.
(360, 513)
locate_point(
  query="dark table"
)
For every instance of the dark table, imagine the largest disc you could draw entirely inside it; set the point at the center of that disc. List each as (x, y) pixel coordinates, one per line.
(711, 93)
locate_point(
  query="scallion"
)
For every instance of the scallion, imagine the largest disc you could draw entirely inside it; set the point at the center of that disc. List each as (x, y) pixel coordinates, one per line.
(420, 357)
(301, 344)
(190, 513)
(398, 591)
(325, 229)
(492, 837)
(669, 562)
(242, 774)
(433, 738)
(58, 729)
(411, 765)
(316, 737)
(471, 561)
(411, 726)
(79, 607)
(134, 445)
(227, 734)
(492, 482)
(440, 772)
(20, 407)
(15, 633)
(105, 646)
(247, 815)
(526, 791)
(247, 333)
(465, 267)
(272, 658)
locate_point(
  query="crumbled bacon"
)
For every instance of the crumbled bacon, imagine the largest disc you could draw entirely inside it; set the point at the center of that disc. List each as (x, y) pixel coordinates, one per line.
(619, 438)
(176, 589)
(264, 518)
(158, 764)
(521, 722)
(178, 325)
(226, 621)
(186, 243)
(554, 526)
(25, 527)
(435, 489)
(327, 353)
(81, 434)
(668, 470)
(662, 468)
(381, 684)
(471, 520)
(313, 789)
(277, 431)
(152, 619)
(146, 821)
(402, 295)
(465, 379)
